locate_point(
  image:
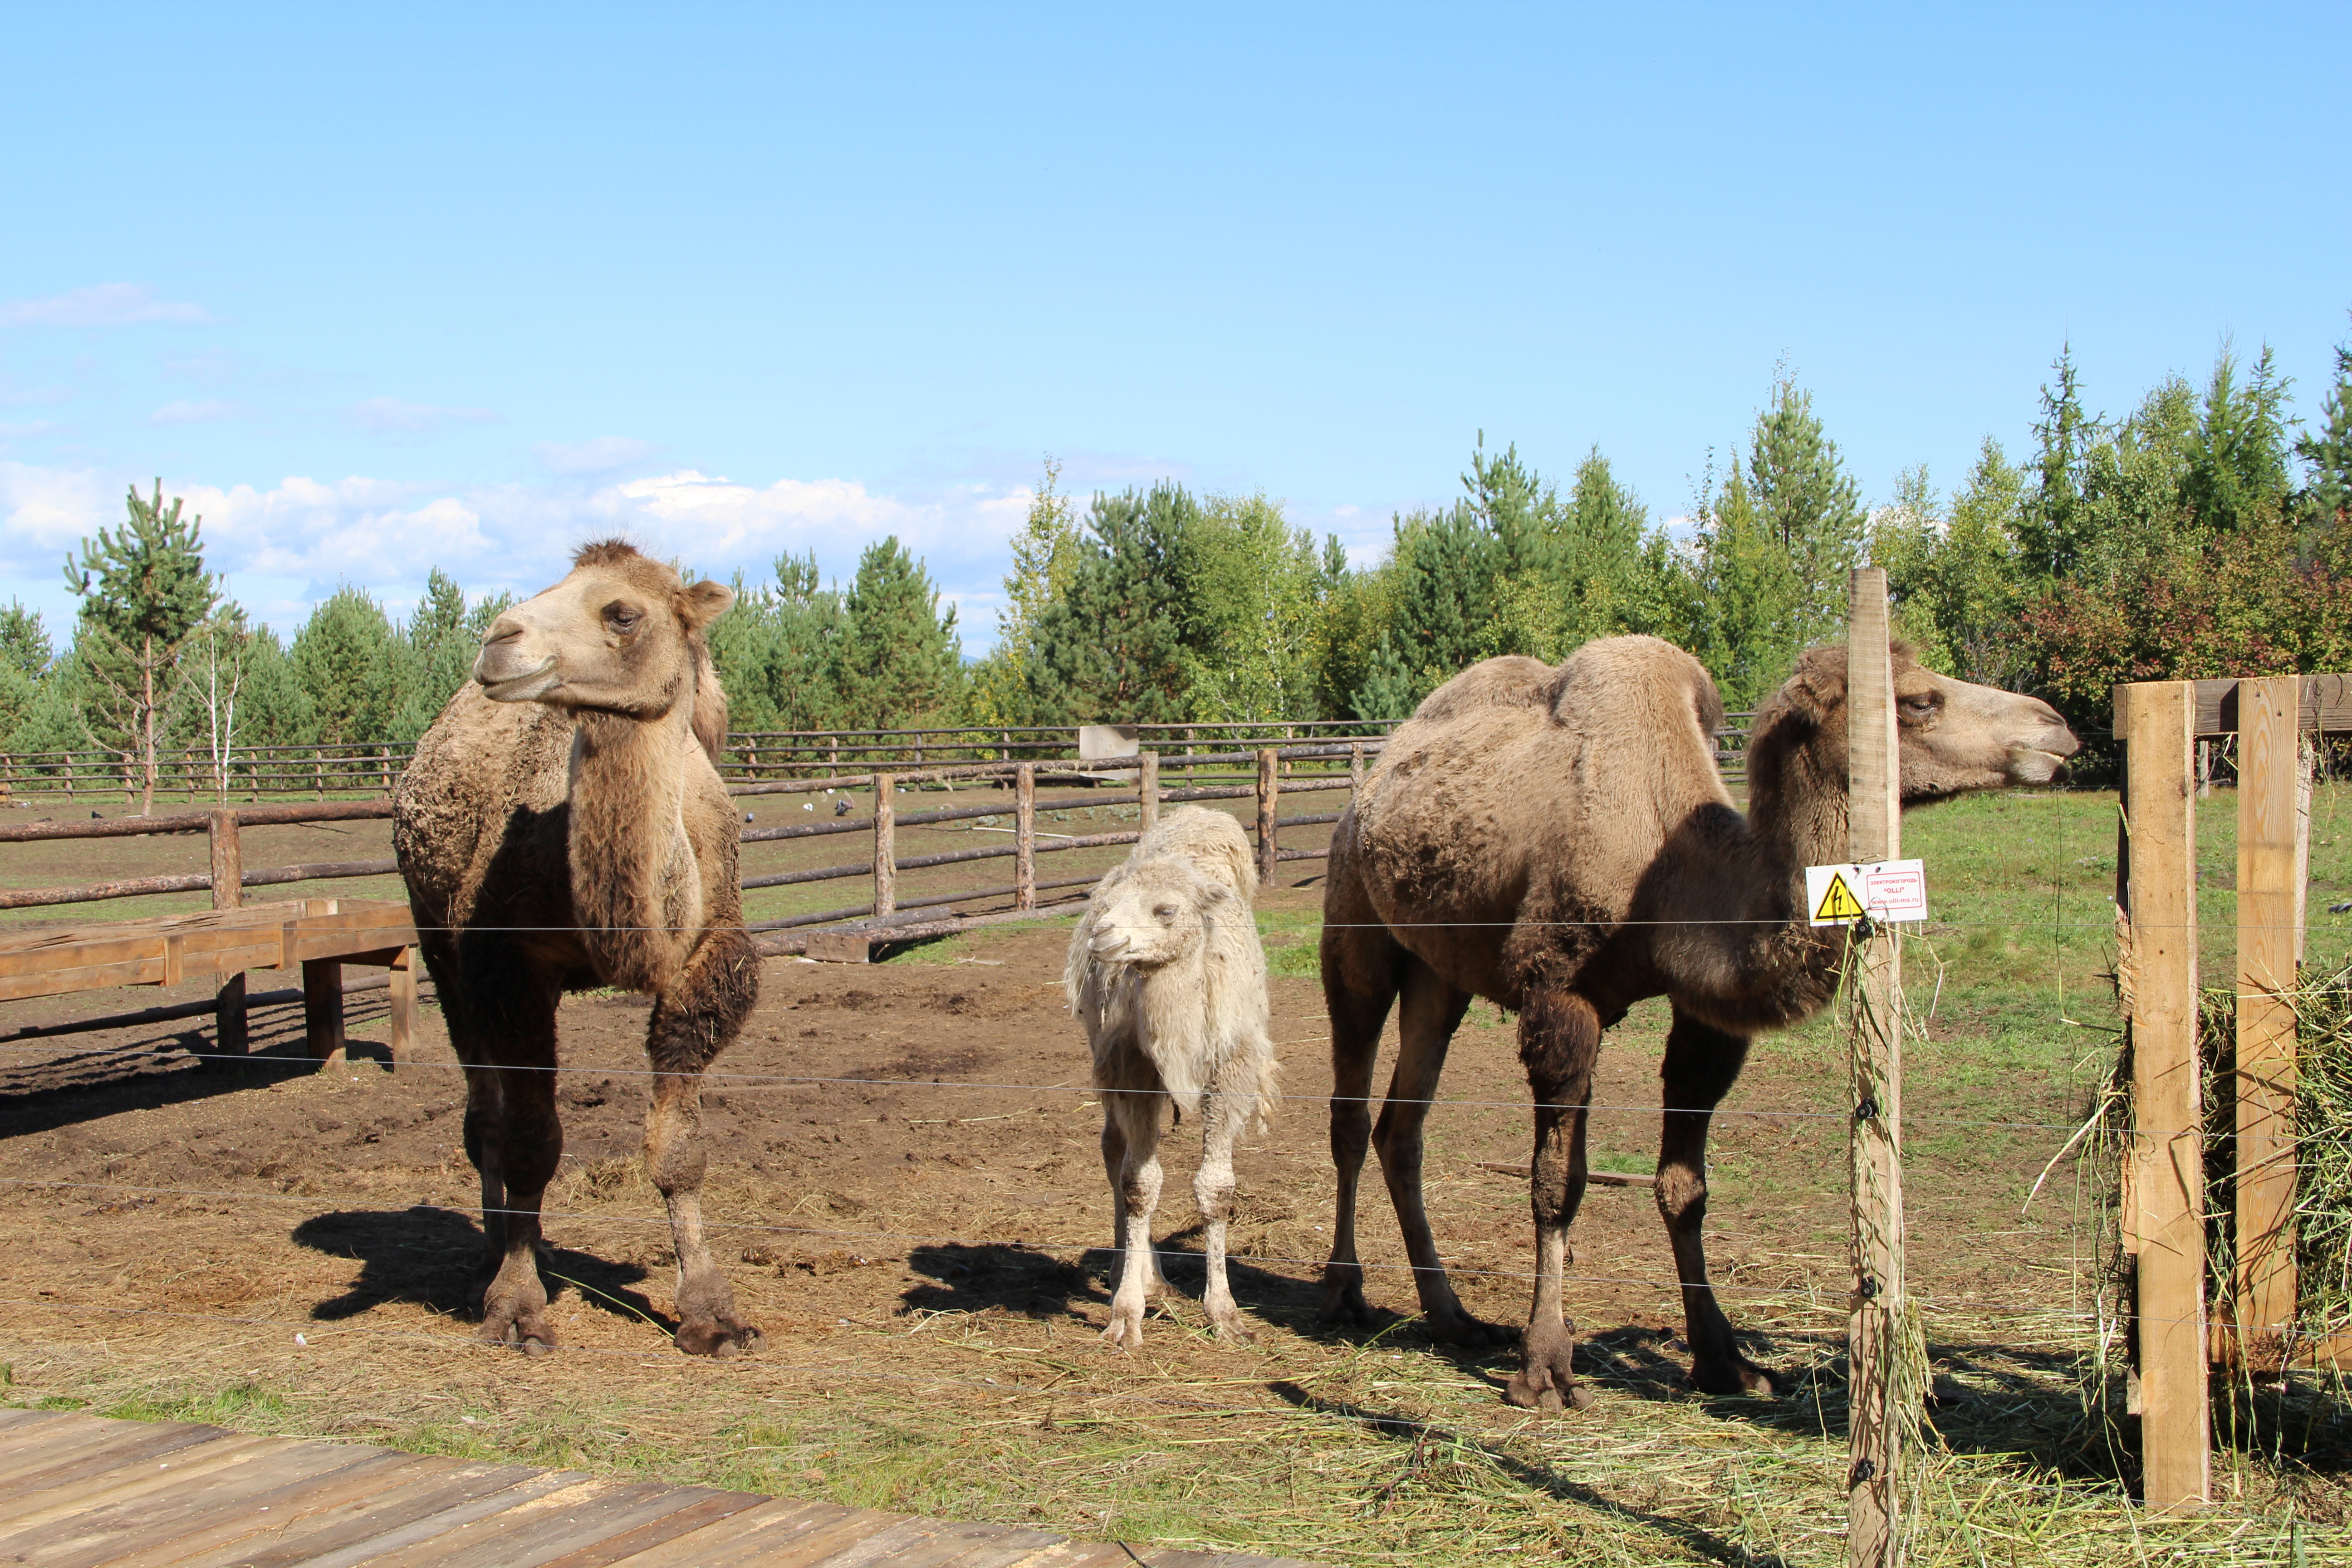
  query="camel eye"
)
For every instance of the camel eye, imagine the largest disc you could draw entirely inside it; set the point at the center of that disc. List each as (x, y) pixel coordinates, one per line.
(621, 617)
(1166, 913)
(1920, 707)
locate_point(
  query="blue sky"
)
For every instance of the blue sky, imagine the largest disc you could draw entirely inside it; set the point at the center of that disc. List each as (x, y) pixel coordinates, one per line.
(384, 289)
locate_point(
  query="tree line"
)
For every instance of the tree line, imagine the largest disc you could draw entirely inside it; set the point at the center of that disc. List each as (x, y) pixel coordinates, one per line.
(2201, 533)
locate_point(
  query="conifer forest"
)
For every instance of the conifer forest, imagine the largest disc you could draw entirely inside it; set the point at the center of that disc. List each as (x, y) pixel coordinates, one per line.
(2200, 532)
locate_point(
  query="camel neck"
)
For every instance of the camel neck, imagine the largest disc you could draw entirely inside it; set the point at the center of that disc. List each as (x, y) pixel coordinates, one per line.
(627, 845)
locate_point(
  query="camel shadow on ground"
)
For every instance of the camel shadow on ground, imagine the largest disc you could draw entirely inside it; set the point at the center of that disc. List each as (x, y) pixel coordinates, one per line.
(431, 1257)
(973, 1278)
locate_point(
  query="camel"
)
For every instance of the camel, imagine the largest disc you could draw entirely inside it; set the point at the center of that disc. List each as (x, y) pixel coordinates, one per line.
(1560, 842)
(1166, 969)
(563, 826)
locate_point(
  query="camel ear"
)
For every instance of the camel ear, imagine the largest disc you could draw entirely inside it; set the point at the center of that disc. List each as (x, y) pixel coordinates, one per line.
(1819, 684)
(704, 603)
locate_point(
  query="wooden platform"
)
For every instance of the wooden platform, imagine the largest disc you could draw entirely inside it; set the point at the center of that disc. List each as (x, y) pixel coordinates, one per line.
(77, 1491)
(321, 935)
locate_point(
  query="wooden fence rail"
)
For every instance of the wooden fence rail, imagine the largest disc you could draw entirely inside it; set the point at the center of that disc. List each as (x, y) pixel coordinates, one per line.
(190, 773)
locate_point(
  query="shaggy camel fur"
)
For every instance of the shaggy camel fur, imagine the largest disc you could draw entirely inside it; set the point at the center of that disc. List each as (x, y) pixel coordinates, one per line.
(1166, 971)
(561, 827)
(1560, 842)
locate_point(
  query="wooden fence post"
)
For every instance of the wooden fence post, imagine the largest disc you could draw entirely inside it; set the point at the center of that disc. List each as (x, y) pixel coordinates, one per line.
(1146, 784)
(2269, 770)
(885, 850)
(1024, 836)
(1356, 765)
(2167, 1144)
(1269, 789)
(228, 893)
(1875, 1424)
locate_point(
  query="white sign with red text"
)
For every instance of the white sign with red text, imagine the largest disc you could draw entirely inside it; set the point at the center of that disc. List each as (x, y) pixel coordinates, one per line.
(1885, 890)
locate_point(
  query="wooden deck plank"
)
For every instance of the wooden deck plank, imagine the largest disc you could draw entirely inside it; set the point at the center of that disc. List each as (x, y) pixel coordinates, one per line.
(770, 1522)
(20, 1512)
(189, 1503)
(354, 1507)
(77, 1491)
(565, 1528)
(425, 1526)
(629, 1545)
(233, 1524)
(97, 1454)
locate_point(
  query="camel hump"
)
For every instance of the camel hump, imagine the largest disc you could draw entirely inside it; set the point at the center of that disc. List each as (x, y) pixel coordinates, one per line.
(1613, 679)
(1511, 681)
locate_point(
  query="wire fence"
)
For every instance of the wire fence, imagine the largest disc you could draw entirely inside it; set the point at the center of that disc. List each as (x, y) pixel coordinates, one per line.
(192, 772)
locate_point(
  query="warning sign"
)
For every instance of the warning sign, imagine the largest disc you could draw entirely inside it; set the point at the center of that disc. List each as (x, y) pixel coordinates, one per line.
(1885, 890)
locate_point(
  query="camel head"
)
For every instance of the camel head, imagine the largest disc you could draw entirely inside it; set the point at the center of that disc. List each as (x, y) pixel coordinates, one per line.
(1953, 736)
(622, 634)
(1154, 914)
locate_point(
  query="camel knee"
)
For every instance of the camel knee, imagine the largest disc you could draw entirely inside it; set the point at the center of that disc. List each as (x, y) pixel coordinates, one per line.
(1681, 1193)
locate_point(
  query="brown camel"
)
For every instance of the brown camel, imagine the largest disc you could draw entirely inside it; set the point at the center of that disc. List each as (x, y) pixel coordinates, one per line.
(1560, 842)
(561, 827)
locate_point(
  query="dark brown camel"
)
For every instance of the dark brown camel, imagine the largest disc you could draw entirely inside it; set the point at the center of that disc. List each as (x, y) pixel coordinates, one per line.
(1560, 842)
(563, 826)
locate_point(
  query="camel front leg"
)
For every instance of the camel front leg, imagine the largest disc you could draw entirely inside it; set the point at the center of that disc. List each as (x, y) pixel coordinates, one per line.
(1559, 1037)
(1114, 1154)
(691, 1023)
(505, 1036)
(1701, 1065)
(1433, 1010)
(1139, 1196)
(1212, 1189)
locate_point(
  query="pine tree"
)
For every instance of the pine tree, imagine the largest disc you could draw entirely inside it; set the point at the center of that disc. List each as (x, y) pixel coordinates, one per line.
(435, 656)
(1044, 552)
(2049, 529)
(1110, 649)
(345, 659)
(902, 660)
(1805, 501)
(2326, 453)
(24, 657)
(2238, 453)
(149, 592)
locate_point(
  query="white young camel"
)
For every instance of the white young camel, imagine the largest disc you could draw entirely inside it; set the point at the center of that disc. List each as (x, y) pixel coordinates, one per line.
(1166, 971)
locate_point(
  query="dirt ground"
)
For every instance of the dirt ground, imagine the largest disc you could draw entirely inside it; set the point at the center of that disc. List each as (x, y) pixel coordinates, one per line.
(914, 1136)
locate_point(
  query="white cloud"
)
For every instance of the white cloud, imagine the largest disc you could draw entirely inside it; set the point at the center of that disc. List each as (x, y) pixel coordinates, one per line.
(285, 546)
(9, 432)
(601, 456)
(102, 305)
(186, 413)
(391, 416)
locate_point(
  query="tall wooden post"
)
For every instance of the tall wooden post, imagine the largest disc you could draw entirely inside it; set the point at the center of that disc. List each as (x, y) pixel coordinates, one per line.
(1024, 836)
(1356, 765)
(886, 847)
(1874, 830)
(2269, 770)
(1146, 784)
(1269, 789)
(228, 893)
(2167, 1144)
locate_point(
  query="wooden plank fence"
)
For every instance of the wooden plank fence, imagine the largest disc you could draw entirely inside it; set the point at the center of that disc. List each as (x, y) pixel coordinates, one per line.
(82, 1490)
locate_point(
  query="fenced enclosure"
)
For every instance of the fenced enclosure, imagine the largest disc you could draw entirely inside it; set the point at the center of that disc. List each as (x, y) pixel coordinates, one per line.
(890, 1135)
(190, 773)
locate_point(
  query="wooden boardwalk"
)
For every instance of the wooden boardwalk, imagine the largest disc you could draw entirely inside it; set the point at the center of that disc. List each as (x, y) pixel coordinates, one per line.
(77, 1491)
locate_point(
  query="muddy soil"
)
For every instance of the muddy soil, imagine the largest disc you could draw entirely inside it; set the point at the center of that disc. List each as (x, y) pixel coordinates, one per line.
(887, 1141)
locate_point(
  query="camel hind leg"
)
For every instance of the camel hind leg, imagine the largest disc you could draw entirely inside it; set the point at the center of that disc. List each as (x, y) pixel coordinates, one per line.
(1701, 1065)
(1559, 1039)
(692, 1023)
(1431, 1012)
(1359, 964)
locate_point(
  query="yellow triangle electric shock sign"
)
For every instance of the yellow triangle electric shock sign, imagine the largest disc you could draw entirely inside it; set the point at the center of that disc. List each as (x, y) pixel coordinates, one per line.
(1886, 891)
(1838, 904)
